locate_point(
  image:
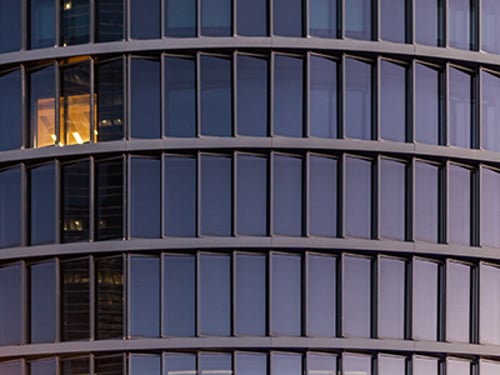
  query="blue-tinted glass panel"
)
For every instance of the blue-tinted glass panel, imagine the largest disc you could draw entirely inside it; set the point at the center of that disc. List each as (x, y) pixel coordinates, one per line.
(252, 201)
(458, 366)
(42, 204)
(427, 100)
(286, 364)
(392, 102)
(10, 108)
(426, 22)
(42, 367)
(392, 199)
(322, 196)
(10, 305)
(215, 295)
(175, 364)
(109, 364)
(426, 366)
(75, 21)
(321, 286)
(216, 17)
(286, 280)
(356, 364)
(252, 107)
(74, 365)
(10, 26)
(179, 296)
(75, 299)
(392, 365)
(145, 19)
(323, 97)
(251, 295)
(358, 198)
(323, 18)
(288, 96)
(357, 297)
(180, 18)
(392, 283)
(145, 98)
(321, 364)
(459, 17)
(425, 300)
(215, 364)
(490, 27)
(392, 20)
(42, 95)
(43, 302)
(287, 195)
(458, 302)
(109, 199)
(426, 202)
(180, 97)
(216, 112)
(490, 208)
(11, 368)
(145, 207)
(459, 205)
(489, 308)
(145, 364)
(251, 364)
(459, 106)
(358, 19)
(358, 100)
(180, 196)
(42, 23)
(252, 17)
(144, 307)
(216, 208)
(490, 106)
(109, 20)
(109, 89)
(287, 17)
(10, 207)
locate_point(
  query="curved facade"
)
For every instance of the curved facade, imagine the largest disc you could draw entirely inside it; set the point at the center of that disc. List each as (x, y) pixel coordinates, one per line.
(249, 187)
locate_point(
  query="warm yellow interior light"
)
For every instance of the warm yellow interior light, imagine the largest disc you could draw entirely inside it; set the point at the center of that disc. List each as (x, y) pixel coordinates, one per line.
(77, 137)
(68, 5)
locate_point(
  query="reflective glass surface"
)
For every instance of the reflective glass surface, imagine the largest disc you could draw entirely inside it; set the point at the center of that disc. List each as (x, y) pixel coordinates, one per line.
(109, 365)
(42, 93)
(10, 305)
(490, 107)
(323, 196)
(425, 300)
(10, 26)
(10, 106)
(109, 199)
(392, 365)
(392, 102)
(489, 367)
(458, 366)
(392, 280)
(75, 300)
(392, 199)
(392, 20)
(489, 309)
(43, 204)
(215, 364)
(11, 368)
(109, 90)
(458, 302)
(286, 364)
(427, 105)
(10, 207)
(252, 17)
(216, 17)
(180, 18)
(145, 19)
(287, 17)
(74, 365)
(459, 205)
(145, 364)
(490, 208)
(43, 302)
(459, 23)
(321, 364)
(358, 99)
(174, 364)
(356, 364)
(357, 20)
(323, 97)
(42, 367)
(490, 27)
(323, 18)
(357, 297)
(251, 364)
(75, 21)
(426, 202)
(109, 297)
(108, 20)
(426, 366)
(460, 108)
(426, 22)
(42, 23)
(358, 198)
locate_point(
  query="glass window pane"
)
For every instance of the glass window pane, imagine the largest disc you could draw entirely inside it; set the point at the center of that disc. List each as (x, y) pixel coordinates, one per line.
(459, 106)
(75, 21)
(490, 208)
(144, 318)
(489, 309)
(286, 279)
(425, 366)
(42, 367)
(392, 285)
(426, 202)
(145, 364)
(180, 196)
(353, 364)
(251, 295)
(252, 17)
(391, 365)
(73, 366)
(325, 364)
(75, 299)
(216, 208)
(490, 27)
(216, 96)
(287, 191)
(11, 368)
(109, 297)
(252, 200)
(323, 18)
(176, 364)
(43, 204)
(109, 89)
(323, 196)
(288, 95)
(358, 100)
(10, 305)
(180, 97)
(109, 365)
(287, 17)
(458, 302)
(392, 199)
(179, 295)
(459, 205)
(357, 297)
(43, 302)
(323, 97)
(75, 201)
(145, 198)
(145, 19)
(252, 110)
(109, 20)
(321, 286)
(42, 23)
(215, 295)
(358, 19)
(42, 107)
(425, 300)
(10, 105)
(458, 366)
(426, 22)
(393, 21)
(215, 364)
(358, 198)
(488, 367)
(216, 17)
(490, 106)
(109, 199)
(427, 100)
(10, 207)
(180, 18)
(286, 364)
(392, 102)
(10, 26)
(251, 364)
(145, 97)
(459, 25)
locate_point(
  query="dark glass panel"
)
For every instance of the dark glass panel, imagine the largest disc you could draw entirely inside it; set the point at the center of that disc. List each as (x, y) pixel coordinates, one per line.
(75, 201)
(109, 20)
(43, 204)
(145, 197)
(10, 207)
(323, 18)
(179, 295)
(490, 107)
(10, 26)
(460, 106)
(323, 196)
(286, 364)
(252, 17)
(109, 90)
(427, 98)
(145, 18)
(286, 281)
(180, 97)
(358, 19)
(180, 196)
(109, 199)
(287, 17)
(252, 201)
(215, 364)
(392, 365)
(145, 364)
(392, 284)
(321, 286)
(358, 99)
(288, 96)
(215, 295)
(144, 307)
(426, 22)
(393, 20)
(216, 100)
(251, 295)
(75, 300)
(216, 17)
(216, 209)
(490, 27)
(252, 110)
(320, 363)
(426, 202)
(358, 198)
(251, 363)
(287, 195)
(323, 97)
(392, 102)
(42, 367)
(42, 23)
(10, 107)
(425, 300)
(109, 297)
(458, 302)
(42, 94)
(357, 297)
(425, 366)
(10, 305)
(459, 205)
(459, 25)
(43, 302)
(489, 308)
(75, 21)
(180, 18)
(392, 199)
(490, 208)
(145, 98)
(356, 364)
(176, 364)
(11, 368)
(108, 365)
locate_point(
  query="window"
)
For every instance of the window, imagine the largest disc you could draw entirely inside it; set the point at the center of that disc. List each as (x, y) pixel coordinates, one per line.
(391, 365)
(358, 99)
(356, 364)
(180, 18)
(393, 116)
(42, 93)
(75, 21)
(459, 24)
(321, 291)
(490, 106)
(43, 204)
(216, 17)
(358, 180)
(321, 363)
(42, 23)
(392, 210)
(425, 366)
(357, 297)
(426, 202)
(286, 364)
(323, 97)
(145, 19)
(10, 207)
(145, 364)
(490, 208)
(458, 301)
(109, 90)
(109, 20)
(43, 302)
(251, 364)
(489, 308)
(427, 104)
(215, 364)
(323, 211)
(323, 18)
(287, 17)
(425, 300)
(393, 21)
(459, 204)
(392, 298)
(174, 363)
(460, 108)
(42, 367)
(10, 28)
(11, 368)
(252, 17)
(459, 366)
(11, 103)
(427, 21)
(490, 27)
(358, 19)
(11, 302)
(488, 367)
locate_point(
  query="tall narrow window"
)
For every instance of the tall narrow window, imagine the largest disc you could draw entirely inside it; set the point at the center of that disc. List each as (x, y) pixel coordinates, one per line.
(489, 308)
(458, 302)
(109, 90)
(109, 199)
(42, 94)
(10, 207)
(11, 103)
(323, 97)
(42, 23)
(75, 21)
(459, 205)
(393, 20)
(216, 17)
(459, 24)
(426, 22)
(393, 117)
(43, 205)
(392, 286)
(358, 19)
(323, 196)
(11, 302)
(460, 108)
(358, 180)
(425, 300)
(180, 18)
(323, 18)
(490, 106)
(427, 103)
(252, 17)
(287, 17)
(43, 302)
(392, 199)
(358, 99)
(490, 207)
(145, 18)
(108, 20)
(357, 297)
(321, 287)
(490, 27)
(10, 27)
(426, 202)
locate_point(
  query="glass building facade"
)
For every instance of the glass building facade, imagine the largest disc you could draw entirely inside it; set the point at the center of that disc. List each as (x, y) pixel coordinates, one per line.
(249, 187)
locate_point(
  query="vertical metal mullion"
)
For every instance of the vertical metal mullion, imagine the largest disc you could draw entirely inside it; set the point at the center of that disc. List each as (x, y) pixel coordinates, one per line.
(377, 294)
(25, 303)
(410, 302)
(377, 183)
(474, 301)
(270, 4)
(128, 22)
(475, 207)
(163, 30)
(92, 199)
(198, 195)
(92, 363)
(411, 201)
(269, 274)
(441, 316)
(376, 21)
(234, 331)
(234, 18)
(411, 17)
(476, 25)
(162, 93)
(125, 90)
(271, 194)
(58, 201)
(341, 128)
(58, 90)
(478, 115)
(162, 300)
(341, 17)
(443, 6)
(198, 297)
(92, 295)
(272, 64)
(305, 6)
(127, 305)
(58, 317)
(305, 302)
(93, 114)
(198, 93)
(446, 209)
(234, 87)
(411, 95)
(442, 203)
(198, 18)
(25, 119)
(58, 19)
(444, 94)
(128, 89)
(307, 99)
(378, 89)
(340, 299)
(24, 25)
(234, 195)
(341, 197)
(162, 195)
(25, 205)
(306, 186)
(92, 30)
